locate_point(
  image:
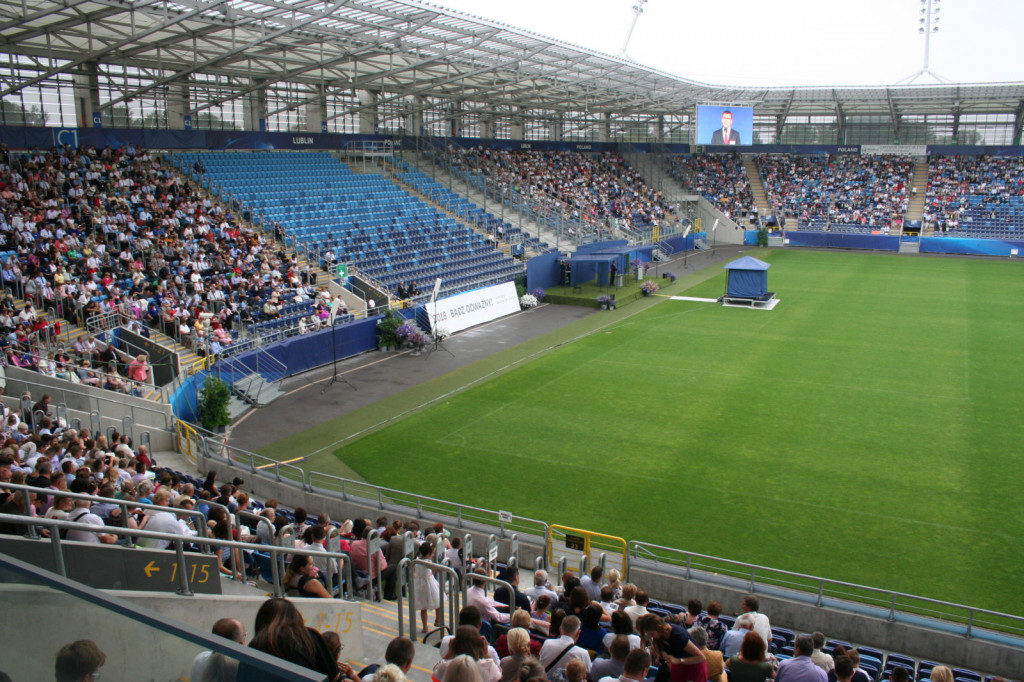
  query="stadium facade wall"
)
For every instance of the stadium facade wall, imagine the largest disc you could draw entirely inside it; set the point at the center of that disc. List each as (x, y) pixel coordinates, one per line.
(668, 583)
(18, 137)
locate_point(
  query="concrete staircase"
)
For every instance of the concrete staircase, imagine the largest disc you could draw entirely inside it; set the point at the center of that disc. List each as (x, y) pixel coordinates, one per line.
(756, 186)
(654, 169)
(918, 188)
(71, 331)
(511, 215)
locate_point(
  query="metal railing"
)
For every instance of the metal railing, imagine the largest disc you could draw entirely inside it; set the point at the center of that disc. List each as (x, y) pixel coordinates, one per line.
(817, 590)
(385, 498)
(824, 592)
(96, 402)
(207, 546)
(449, 590)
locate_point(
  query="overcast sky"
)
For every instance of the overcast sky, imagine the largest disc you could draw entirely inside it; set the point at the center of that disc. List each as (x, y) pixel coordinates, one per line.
(784, 42)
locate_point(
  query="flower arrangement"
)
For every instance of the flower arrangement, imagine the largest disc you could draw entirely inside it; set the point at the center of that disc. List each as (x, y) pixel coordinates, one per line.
(528, 301)
(604, 300)
(406, 330)
(649, 287)
(417, 339)
(539, 294)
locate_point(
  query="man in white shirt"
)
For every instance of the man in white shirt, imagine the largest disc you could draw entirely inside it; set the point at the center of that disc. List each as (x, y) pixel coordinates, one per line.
(761, 624)
(640, 608)
(476, 596)
(81, 514)
(555, 654)
(160, 521)
(540, 587)
(210, 666)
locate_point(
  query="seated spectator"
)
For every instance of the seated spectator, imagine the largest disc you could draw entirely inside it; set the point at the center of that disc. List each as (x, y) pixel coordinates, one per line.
(519, 647)
(715, 628)
(302, 575)
(750, 665)
(612, 666)
(469, 646)
(555, 654)
(209, 666)
(281, 632)
(79, 662)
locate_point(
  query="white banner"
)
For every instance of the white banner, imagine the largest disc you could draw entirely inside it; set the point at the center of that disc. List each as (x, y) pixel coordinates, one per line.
(471, 308)
(899, 149)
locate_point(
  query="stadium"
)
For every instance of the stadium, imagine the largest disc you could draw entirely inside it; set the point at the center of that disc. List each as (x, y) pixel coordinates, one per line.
(382, 260)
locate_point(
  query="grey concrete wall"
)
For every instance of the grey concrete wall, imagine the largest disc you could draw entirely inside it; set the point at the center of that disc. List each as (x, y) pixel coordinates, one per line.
(46, 619)
(201, 611)
(728, 232)
(914, 640)
(80, 400)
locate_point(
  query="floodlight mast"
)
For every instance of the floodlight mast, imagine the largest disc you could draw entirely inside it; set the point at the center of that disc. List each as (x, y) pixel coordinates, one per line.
(927, 25)
(638, 9)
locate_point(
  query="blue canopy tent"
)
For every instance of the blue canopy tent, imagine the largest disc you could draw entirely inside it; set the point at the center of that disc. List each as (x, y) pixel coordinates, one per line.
(748, 278)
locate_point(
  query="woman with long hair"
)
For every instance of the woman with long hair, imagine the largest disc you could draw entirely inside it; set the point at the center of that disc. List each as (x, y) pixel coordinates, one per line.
(280, 632)
(302, 576)
(468, 642)
(670, 645)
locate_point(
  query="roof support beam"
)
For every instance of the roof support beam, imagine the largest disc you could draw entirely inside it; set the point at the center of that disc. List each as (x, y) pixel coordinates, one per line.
(96, 55)
(229, 54)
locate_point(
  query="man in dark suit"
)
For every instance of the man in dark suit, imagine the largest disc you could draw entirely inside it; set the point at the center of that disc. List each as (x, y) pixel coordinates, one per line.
(725, 134)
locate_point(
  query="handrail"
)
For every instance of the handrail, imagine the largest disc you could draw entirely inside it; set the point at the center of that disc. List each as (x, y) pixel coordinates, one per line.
(451, 586)
(122, 504)
(746, 576)
(379, 494)
(178, 541)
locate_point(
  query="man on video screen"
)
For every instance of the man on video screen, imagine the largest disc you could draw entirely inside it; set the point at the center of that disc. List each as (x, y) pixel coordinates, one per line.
(725, 134)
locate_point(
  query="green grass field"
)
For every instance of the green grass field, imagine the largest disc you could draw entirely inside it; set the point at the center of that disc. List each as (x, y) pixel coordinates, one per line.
(868, 429)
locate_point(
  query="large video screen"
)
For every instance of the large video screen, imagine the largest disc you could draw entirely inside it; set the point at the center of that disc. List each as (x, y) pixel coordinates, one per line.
(724, 125)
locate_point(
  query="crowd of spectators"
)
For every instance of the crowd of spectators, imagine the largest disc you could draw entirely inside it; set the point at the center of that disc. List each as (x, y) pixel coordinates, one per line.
(595, 190)
(86, 231)
(840, 189)
(590, 628)
(719, 178)
(965, 189)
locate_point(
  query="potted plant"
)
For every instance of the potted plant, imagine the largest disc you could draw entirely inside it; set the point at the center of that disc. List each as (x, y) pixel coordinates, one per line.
(539, 294)
(387, 328)
(649, 287)
(528, 301)
(604, 301)
(213, 405)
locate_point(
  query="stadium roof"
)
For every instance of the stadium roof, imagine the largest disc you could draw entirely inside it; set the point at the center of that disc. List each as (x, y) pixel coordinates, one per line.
(401, 48)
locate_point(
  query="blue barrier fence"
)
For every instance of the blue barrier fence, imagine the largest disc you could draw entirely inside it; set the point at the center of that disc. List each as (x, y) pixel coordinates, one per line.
(298, 354)
(874, 242)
